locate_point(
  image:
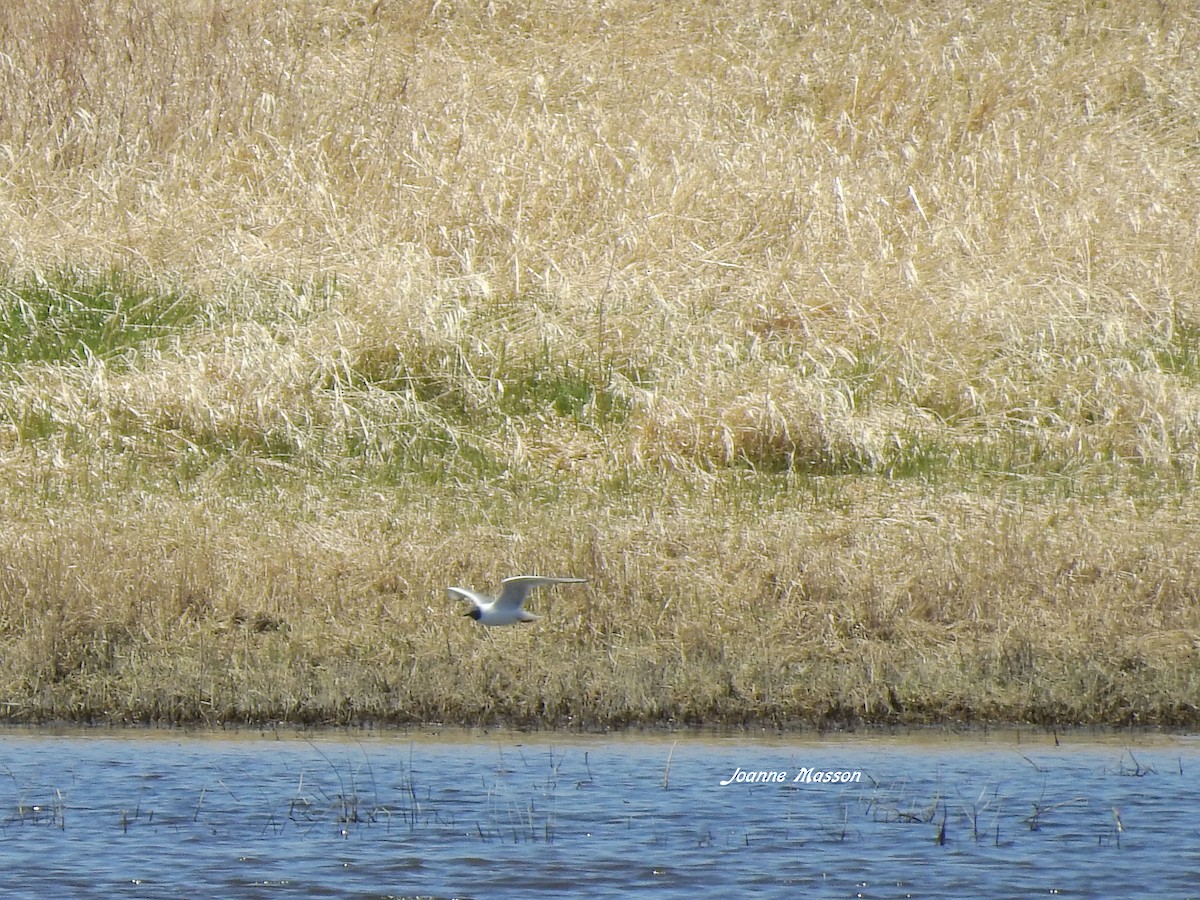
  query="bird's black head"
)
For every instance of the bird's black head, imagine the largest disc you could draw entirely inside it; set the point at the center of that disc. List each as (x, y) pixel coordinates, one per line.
(473, 612)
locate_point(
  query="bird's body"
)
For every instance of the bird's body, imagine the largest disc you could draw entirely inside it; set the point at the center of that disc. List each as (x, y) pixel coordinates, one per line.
(509, 606)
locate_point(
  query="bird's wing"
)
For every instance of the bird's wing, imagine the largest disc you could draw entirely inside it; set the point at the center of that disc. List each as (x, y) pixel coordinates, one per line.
(513, 591)
(474, 597)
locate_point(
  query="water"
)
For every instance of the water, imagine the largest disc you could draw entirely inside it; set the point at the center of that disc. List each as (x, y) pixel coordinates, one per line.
(139, 814)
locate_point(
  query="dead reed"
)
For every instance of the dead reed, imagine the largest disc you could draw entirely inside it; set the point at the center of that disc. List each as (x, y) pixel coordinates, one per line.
(853, 353)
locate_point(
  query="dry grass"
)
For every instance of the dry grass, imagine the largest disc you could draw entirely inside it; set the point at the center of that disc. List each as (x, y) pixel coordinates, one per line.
(852, 351)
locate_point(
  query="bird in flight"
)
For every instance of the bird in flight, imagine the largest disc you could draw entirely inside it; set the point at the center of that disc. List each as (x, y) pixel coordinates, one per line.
(509, 606)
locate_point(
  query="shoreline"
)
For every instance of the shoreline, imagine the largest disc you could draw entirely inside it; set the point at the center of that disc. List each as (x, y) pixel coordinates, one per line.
(998, 736)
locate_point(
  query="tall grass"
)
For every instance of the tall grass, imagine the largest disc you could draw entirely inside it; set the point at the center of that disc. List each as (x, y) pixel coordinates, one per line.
(851, 351)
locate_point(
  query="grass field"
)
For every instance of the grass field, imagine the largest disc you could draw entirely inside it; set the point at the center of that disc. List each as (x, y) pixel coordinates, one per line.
(851, 351)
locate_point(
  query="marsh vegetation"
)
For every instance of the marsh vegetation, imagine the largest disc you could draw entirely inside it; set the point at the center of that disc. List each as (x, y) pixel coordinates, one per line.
(851, 351)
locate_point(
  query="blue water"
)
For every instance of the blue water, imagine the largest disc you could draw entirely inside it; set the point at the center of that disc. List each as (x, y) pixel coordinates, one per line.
(154, 814)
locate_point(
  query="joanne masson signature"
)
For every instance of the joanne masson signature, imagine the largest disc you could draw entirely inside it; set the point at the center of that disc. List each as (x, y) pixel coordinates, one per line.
(806, 775)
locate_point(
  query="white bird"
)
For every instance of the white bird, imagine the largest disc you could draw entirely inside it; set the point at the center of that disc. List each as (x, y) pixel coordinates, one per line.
(508, 607)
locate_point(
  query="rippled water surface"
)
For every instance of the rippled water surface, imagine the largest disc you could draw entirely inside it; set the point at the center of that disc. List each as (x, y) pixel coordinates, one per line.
(153, 814)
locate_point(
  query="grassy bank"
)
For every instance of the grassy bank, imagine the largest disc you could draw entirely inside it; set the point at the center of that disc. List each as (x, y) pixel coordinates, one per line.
(853, 354)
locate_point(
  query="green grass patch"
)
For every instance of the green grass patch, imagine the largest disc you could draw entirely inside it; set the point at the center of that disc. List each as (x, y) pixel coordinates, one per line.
(463, 392)
(1180, 353)
(71, 315)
